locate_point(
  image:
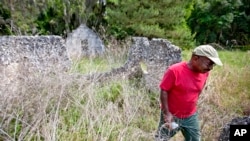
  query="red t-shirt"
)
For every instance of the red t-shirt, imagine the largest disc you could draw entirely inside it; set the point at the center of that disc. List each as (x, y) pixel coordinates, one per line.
(184, 87)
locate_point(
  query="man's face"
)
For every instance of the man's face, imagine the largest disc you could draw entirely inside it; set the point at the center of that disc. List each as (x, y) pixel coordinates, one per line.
(203, 64)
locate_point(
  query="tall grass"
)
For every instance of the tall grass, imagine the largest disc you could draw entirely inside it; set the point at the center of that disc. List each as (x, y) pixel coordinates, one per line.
(61, 106)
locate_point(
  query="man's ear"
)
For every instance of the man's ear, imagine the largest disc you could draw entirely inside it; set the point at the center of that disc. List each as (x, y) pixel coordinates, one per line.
(195, 57)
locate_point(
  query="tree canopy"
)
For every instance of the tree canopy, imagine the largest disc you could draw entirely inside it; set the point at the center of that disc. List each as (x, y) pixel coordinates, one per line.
(221, 21)
(224, 22)
(150, 18)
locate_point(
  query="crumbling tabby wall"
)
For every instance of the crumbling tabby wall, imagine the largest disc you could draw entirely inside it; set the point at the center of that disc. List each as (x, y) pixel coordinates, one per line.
(31, 54)
(84, 42)
(157, 55)
(41, 51)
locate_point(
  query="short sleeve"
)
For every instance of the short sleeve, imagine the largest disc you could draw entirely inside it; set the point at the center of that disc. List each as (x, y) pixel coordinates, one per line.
(168, 80)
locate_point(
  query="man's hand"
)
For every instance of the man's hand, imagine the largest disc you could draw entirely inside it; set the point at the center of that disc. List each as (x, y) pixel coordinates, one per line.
(168, 118)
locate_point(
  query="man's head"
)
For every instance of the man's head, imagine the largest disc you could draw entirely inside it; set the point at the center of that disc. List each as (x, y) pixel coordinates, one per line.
(204, 57)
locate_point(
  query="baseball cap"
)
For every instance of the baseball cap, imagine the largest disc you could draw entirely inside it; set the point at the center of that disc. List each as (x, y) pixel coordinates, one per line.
(209, 52)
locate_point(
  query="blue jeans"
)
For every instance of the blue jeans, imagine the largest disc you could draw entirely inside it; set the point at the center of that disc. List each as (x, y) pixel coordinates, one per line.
(188, 126)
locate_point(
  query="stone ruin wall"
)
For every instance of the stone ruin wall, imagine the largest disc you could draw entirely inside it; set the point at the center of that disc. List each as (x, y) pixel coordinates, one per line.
(30, 54)
(40, 51)
(157, 54)
(83, 41)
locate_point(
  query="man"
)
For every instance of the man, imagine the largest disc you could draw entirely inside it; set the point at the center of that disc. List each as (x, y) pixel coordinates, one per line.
(180, 87)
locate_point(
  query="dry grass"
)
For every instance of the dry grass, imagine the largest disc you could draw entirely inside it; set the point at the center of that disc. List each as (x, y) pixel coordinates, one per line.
(58, 106)
(227, 94)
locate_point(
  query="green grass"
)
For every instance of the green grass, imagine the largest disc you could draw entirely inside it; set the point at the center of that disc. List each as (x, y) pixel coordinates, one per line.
(237, 72)
(92, 65)
(235, 59)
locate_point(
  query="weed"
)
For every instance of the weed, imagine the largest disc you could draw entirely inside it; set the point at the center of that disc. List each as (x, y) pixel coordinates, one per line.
(61, 107)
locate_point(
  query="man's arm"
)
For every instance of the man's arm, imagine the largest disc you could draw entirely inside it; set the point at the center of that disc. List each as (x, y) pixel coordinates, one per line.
(168, 117)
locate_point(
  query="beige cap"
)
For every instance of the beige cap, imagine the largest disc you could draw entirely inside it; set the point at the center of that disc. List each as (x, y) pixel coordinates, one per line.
(209, 52)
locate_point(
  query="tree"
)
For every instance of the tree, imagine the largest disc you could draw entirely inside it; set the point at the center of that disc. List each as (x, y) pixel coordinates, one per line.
(60, 17)
(149, 18)
(4, 21)
(23, 13)
(220, 21)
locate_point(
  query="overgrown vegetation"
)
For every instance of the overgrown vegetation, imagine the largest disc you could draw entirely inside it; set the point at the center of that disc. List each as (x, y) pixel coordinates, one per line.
(153, 19)
(4, 20)
(225, 22)
(62, 107)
